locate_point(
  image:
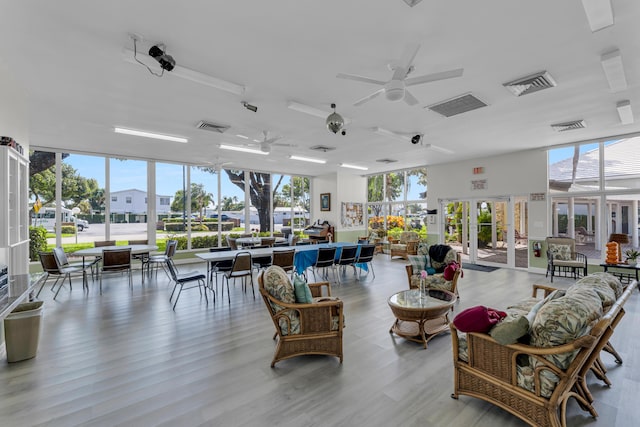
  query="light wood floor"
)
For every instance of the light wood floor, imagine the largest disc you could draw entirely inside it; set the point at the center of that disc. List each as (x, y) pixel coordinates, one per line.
(126, 359)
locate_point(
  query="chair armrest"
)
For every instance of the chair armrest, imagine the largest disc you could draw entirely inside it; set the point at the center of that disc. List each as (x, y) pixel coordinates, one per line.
(316, 289)
(547, 290)
(412, 247)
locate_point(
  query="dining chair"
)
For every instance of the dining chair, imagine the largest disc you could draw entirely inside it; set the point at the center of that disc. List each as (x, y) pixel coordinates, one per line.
(100, 243)
(365, 256)
(219, 267)
(242, 267)
(68, 269)
(347, 257)
(116, 261)
(232, 243)
(326, 259)
(262, 261)
(182, 279)
(143, 257)
(267, 242)
(284, 259)
(162, 259)
(50, 268)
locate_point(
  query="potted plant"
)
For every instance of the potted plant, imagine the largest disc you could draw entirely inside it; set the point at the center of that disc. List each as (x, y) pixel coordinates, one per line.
(632, 256)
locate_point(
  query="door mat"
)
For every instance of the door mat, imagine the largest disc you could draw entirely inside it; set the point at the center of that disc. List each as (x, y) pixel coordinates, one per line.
(477, 267)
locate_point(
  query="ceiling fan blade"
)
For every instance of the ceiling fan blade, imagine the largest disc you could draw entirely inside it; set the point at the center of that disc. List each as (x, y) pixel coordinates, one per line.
(271, 140)
(409, 98)
(434, 77)
(438, 148)
(360, 79)
(406, 61)
(368, 97)
(279, 144)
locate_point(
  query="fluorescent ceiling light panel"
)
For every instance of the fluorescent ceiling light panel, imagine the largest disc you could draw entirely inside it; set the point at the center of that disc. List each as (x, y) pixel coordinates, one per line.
(312, 111)
(186, 73)
(625, 112)
(242, 136)
(599, 13)
(307, 159)
(150, 135)
(614, 70)
(346, 165)
(242, 149)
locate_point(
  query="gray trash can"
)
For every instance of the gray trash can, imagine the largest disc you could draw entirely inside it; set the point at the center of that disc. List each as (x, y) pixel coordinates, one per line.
(22, 331)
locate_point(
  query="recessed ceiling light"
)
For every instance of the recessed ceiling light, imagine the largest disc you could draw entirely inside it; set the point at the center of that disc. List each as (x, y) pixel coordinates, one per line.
(307, 159)
(599, 13)
(614, 70)
(243, 149)
(346, 165)
(625, 112)
(150, 135)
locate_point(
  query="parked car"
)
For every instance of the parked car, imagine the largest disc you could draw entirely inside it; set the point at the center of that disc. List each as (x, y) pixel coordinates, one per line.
(81, 223)
(223, 217)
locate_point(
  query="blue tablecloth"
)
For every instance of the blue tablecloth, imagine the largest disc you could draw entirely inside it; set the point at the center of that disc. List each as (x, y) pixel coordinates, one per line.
(306, 255)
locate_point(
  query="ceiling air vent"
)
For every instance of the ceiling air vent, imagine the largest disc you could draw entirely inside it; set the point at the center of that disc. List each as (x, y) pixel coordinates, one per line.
(576, 124)
(386, 161)
(458, 105)
(211, 126)
(530, 84)
(323, 148)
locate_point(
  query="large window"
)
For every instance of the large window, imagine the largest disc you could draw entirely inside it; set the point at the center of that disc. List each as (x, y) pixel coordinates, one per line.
(594, 190)
(396, 201)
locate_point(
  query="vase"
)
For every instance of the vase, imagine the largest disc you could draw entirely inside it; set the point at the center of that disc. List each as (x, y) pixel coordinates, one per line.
(632, 263)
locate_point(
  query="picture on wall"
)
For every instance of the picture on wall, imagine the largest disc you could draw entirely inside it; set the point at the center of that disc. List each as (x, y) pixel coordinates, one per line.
(325, 201)
(352, 214)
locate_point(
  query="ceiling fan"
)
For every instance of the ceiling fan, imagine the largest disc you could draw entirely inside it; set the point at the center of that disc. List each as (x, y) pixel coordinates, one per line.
(395, 89)
(266, 143)
(413, 137)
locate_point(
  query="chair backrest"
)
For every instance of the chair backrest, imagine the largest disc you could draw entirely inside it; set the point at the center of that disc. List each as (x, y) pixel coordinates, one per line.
(267, 241)
(232, 243)
(303, 243)
(222, 249)
(284, 259)
(49, 263)
(562, 241)
(317, 242)
(407, 236)
(101, 243)
(366, 253)
(116, 259)
(242, 264)
(138, 242)
(348, 254)
(170, 249)
(326, 257)
(61, 257)
(173, 271)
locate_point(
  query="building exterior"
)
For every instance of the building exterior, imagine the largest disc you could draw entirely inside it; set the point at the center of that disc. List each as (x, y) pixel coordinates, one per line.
(134, 201)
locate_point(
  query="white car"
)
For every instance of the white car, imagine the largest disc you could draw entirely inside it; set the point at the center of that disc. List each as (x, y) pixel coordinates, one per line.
(81, 224)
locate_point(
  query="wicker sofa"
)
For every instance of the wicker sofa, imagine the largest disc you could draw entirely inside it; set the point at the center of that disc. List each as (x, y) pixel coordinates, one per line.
(534, 378)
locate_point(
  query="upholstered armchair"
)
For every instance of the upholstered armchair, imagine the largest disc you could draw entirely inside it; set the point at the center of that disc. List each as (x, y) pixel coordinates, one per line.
(435, 281)
(406, 245)
(302, 328)
(562, 258)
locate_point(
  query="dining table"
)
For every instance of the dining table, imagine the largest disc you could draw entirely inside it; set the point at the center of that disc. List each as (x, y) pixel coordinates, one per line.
(97, 251)
(305, 255)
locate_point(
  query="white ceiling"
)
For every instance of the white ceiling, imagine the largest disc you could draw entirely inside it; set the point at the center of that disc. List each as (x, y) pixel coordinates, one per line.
(69, 56)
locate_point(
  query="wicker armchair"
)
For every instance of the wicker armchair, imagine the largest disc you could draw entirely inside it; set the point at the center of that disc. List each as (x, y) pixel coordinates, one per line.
(435, 281)
(314, 328)
(406, 245)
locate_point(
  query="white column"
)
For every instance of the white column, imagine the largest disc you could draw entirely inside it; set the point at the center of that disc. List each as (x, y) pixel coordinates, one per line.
(494, 232)
(554, 212)
(571, 224)
(600, 217)
(152, 209)
(465, 228)
(107, 198)
(634, 223)
(618, 211)
(188, 204)
(59, 200)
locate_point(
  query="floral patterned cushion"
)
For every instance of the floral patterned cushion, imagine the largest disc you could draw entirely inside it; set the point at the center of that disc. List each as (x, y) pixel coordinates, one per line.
(563, 320)
(463, 346)
(277, 283)
(560, 252)
(423, 248)
(407, 236)
(435, 281)
(599, 286)
(611, 280)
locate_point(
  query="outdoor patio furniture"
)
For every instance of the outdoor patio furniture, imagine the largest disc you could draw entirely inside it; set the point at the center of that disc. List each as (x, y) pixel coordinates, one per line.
(406, 245)
(562, 258)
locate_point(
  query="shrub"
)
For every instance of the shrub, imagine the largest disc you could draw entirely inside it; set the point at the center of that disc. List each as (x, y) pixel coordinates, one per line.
(37, 242)
(68, 229)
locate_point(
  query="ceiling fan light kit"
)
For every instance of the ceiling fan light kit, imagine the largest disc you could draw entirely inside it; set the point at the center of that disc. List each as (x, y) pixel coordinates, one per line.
(335, 122)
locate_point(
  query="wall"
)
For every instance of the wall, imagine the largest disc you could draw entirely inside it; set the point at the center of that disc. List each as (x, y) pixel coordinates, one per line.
(343, 187)
(514, 174)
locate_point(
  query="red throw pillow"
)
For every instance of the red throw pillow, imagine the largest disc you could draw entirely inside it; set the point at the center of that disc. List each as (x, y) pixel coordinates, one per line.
(478, 319)
(450, 271)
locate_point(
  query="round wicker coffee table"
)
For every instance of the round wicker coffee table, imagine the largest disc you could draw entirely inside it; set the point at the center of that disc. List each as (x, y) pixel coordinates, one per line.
(421, 318)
